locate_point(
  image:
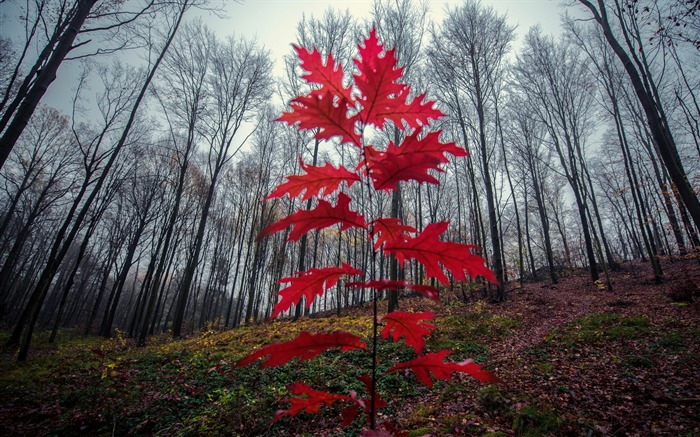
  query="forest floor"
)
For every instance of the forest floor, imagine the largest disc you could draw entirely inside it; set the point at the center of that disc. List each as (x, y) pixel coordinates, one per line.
(574, 359)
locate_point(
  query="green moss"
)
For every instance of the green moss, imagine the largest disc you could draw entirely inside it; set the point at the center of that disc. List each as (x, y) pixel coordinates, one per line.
(466, 334)
(420, 431)
(493, 401)
(533, 421)
(544, 368)
(637, 362)
(595, 328)
(477, 325)
(672, 341)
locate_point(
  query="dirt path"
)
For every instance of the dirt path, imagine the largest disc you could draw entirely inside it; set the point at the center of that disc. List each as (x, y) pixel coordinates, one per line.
(541, 308)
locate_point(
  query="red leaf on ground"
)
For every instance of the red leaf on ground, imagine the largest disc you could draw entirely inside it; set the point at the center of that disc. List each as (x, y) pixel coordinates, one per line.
(375, 433)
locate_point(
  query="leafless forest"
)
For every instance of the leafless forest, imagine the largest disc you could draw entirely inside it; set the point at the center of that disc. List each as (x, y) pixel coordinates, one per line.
(139, 208)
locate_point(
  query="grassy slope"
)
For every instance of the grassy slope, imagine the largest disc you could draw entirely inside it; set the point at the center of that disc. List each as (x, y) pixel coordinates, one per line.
(575, 360)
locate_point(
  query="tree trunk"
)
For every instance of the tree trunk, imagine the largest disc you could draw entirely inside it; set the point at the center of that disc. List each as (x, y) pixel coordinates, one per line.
(39, 294)
(44, 79)
(656, 121)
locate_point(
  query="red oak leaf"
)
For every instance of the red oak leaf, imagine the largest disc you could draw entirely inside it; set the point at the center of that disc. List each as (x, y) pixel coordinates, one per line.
(322, 113)
(412, 160)
(377, 80)
(351, 413)
(427, 249)
(378, 402)
(322, 216)
(329, 75)
(382, 96)
(304, 347)
(476, 371)
(324, 179)
(416, 114)
(312, 402)
(384, 284)
(433, 363)
(399, 324)
(390, 229)
(309, 284)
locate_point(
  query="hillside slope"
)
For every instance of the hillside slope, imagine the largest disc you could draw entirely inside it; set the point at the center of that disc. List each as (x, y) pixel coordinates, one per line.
(574, 359)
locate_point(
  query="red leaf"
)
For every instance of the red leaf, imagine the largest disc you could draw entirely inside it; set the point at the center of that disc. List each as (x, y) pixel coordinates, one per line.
(350, 414)
(409, 325)
(312, 403)
(367, 403)
(476, 371)
(412, 160)
(309, 284)
(329, 76)
(383, 284)
(415, 114)
(377, 80)
(320, 112)
(383, 97)
(433, 363)
(304, 347)
(323, 216)
(390, 229)
(317, 179)
(431, 252)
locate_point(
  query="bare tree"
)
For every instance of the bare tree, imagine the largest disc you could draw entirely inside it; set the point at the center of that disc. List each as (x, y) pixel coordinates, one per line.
(557, 86)
(182, 93)
(400, 25)
(38, 176)
(633, 56)
(58, 27)
(69, 230)
(240, 84)
(526, 137)
(612, 87)
(470, 50)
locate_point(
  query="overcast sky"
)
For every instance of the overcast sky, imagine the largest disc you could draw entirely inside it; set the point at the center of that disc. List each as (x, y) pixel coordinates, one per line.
(273, 23)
